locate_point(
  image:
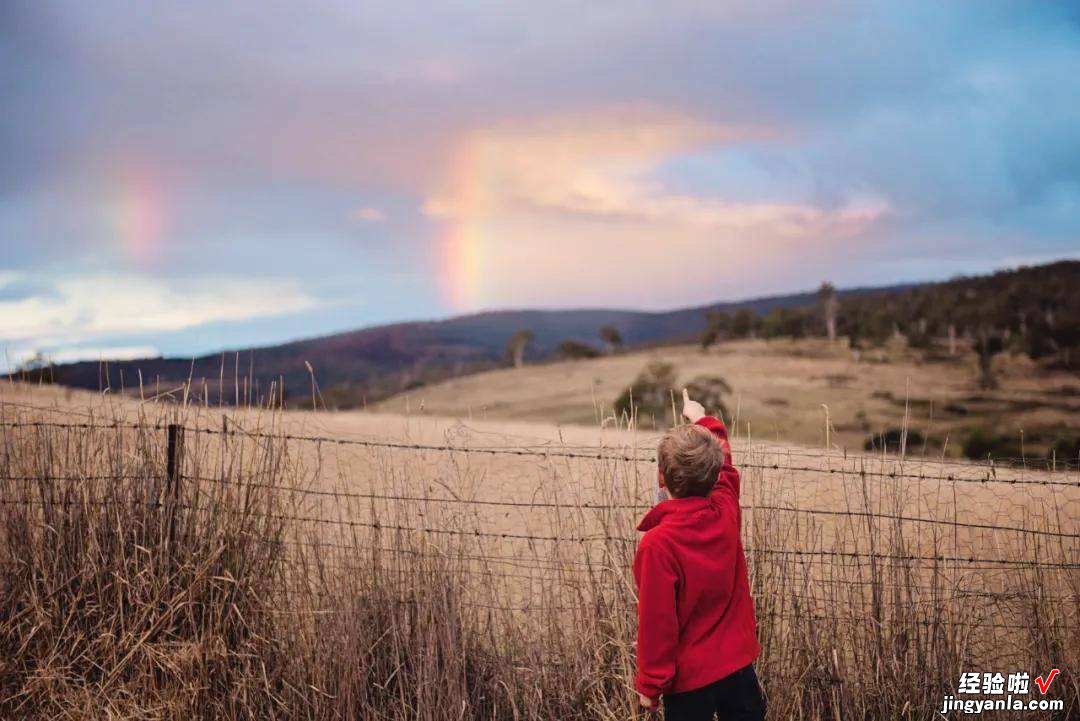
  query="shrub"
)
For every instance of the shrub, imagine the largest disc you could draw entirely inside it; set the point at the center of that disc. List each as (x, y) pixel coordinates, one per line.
(649, 399)
(982, 443)
(892, 439)
(1066, 449)
(709, 391)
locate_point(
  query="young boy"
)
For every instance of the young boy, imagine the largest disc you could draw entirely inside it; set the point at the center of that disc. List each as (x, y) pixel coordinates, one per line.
(697, 636)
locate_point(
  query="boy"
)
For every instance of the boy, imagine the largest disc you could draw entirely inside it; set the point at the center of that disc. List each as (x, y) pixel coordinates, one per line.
(697, 636)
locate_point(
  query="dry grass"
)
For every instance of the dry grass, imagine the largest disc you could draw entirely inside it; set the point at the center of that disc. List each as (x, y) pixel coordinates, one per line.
(286, 578)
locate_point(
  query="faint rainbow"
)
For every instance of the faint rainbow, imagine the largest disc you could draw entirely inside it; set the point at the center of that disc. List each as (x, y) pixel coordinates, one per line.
(137, 214)
(466, 237)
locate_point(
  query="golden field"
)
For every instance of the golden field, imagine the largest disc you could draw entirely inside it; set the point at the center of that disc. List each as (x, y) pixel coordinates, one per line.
(507, 545)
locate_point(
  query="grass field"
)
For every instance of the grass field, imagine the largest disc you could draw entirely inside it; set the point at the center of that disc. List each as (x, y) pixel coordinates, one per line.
(779, 389)
(378, 565)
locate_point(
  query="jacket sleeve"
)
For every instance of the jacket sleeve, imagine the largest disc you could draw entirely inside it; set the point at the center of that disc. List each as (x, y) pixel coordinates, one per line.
(727, 485)
(657, 577)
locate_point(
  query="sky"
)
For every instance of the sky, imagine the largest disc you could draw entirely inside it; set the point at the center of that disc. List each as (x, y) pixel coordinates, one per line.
(182, 177)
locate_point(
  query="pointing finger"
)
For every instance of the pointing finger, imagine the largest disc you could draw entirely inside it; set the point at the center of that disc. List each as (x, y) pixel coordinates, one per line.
(685, 396)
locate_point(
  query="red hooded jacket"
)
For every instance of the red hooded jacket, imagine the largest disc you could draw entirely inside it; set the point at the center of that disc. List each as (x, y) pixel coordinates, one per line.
(695, 616)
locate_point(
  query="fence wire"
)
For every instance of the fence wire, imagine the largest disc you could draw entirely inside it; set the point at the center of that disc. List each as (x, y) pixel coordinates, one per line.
(309, 511)
(986, 474)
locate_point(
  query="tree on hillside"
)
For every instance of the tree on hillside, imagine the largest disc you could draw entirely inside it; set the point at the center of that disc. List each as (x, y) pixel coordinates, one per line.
(986, 313)
(1067, 339)
(575, 350)
(745, 323)
(829, 305)
(37, 368)
(988, 343)
(518, 344)
(709, 336)
(648, 399)
(918, 335)
(1060, 340)
(717, 326)
(790, 322)
(867, 325)
(35, 362)
(612, 338)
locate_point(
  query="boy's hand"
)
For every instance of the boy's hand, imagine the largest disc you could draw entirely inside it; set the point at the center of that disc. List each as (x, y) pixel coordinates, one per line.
(647, 703)
(691, 410)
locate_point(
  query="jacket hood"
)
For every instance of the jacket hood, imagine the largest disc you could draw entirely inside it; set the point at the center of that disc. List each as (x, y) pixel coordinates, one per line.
(671, 507)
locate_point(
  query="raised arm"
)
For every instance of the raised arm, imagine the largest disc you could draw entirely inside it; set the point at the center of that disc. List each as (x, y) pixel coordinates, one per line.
(728, 482)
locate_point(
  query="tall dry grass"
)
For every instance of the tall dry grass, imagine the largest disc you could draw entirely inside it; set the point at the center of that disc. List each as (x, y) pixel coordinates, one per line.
(245, 595)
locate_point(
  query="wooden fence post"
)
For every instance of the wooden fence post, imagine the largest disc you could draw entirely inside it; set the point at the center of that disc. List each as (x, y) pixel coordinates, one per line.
(173, 461)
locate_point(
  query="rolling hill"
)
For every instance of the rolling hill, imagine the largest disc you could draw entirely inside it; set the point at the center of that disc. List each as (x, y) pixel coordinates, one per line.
(364, 365)
(783, 390)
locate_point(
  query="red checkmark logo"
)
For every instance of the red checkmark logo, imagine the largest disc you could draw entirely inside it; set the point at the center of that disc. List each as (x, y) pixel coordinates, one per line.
(1043, 685)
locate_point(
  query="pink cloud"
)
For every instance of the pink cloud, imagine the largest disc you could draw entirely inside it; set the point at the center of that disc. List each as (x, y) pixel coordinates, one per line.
(600, 166)
(524, 197)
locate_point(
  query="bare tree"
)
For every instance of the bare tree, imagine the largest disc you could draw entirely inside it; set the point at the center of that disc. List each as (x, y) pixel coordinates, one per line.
(829, 304)
(517, 345)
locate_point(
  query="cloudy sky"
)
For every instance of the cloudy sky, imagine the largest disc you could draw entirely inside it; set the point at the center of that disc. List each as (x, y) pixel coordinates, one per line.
(184, 177)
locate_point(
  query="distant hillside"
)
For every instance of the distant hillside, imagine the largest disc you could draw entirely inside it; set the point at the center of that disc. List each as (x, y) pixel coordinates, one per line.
(373, 363)
(366, 365)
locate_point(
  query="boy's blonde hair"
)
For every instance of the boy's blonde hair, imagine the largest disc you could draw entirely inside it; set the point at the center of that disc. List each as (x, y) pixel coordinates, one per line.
(690, 459)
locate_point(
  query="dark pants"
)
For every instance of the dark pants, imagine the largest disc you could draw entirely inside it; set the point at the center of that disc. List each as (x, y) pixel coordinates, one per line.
(736, 697)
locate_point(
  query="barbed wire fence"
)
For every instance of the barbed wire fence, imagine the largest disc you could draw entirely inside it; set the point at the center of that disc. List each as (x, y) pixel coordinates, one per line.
(856, 560)
(1060, 503)
(968, 570)
(855, 547)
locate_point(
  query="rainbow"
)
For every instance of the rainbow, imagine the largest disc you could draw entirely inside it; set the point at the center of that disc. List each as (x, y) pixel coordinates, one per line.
(136, 215)
(464, 242)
